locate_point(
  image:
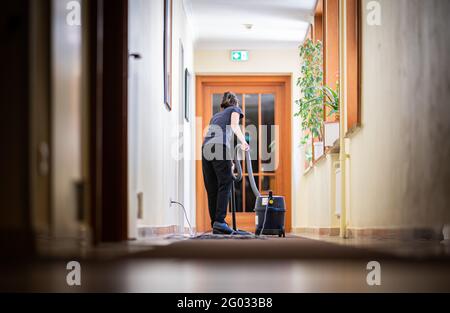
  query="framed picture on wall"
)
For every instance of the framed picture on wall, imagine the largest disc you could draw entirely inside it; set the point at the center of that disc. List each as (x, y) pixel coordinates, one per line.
(187, 94)
(168, 53)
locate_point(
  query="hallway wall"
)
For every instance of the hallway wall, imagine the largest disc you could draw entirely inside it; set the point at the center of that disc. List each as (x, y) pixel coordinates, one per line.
(398, 176)
(282, 61)
(399, 169)
(153, 130)
(315, 196)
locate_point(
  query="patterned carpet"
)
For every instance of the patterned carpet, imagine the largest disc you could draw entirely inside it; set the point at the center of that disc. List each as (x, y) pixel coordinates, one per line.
(212, 247)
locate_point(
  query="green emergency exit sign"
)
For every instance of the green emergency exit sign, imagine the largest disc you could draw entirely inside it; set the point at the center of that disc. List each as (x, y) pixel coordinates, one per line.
(239, 55)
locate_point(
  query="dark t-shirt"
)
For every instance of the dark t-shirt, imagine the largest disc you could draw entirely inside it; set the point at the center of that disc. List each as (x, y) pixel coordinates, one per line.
(219, 131)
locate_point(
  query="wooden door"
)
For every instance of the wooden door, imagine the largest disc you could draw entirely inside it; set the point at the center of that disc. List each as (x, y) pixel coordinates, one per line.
(266, 103)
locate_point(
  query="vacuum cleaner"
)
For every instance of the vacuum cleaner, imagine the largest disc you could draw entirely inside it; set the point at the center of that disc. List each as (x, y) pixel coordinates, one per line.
(270, 210)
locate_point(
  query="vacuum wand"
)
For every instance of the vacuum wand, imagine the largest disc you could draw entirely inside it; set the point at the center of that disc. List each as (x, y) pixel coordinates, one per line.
(237, 178)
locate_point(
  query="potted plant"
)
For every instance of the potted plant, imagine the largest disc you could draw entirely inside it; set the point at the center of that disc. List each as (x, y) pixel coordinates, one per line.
(332, 101)
(311, 105)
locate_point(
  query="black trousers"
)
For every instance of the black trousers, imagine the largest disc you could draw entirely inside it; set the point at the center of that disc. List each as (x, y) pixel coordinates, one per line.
(218, 180)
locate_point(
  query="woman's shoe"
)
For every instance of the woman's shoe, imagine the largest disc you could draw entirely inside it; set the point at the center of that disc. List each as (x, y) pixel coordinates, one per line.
(222, 229)
(243, 233)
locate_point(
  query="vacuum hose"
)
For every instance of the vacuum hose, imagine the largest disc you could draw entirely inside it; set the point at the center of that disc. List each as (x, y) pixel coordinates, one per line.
(238, 177)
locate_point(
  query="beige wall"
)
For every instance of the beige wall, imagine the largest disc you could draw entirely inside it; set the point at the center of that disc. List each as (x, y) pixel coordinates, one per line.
(399, 165)
(398, 173)
(314, 198)
(263, 62)
(270, 61)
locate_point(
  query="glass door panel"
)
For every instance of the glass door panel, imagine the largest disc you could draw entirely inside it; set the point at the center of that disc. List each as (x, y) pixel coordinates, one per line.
(216, 102)
(249, 196)
(268, 133)
(239, 197)
(267, 184)
(251, 112)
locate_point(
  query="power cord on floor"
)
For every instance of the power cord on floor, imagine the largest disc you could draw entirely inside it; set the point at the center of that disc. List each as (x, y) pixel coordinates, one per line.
(191, 230)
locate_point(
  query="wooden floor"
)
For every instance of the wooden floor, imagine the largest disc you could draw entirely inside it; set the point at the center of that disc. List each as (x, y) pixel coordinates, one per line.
(273, 265)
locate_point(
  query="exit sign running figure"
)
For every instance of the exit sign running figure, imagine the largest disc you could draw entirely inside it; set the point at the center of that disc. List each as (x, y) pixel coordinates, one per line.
(239, 56)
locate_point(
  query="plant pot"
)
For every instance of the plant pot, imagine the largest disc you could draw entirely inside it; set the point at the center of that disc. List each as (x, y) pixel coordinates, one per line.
(318, 150)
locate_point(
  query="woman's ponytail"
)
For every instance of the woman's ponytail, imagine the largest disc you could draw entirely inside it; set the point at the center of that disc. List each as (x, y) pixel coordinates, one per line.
(229, 99)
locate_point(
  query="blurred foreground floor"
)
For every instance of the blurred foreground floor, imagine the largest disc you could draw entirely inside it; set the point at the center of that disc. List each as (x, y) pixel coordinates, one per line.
(276, 265)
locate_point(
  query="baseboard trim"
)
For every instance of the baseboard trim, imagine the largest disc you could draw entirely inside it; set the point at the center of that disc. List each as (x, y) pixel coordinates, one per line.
(413, 233)
(318, 231)
(155, 231)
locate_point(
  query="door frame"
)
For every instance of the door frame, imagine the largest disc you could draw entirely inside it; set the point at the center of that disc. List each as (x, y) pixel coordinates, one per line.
(204, 81)
(108, 123)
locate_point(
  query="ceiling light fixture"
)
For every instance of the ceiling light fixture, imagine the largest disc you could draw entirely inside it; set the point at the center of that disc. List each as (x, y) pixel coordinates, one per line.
(248, 26)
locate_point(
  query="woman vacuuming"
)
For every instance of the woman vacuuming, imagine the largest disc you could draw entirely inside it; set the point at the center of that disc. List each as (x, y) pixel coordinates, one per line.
(216, 160)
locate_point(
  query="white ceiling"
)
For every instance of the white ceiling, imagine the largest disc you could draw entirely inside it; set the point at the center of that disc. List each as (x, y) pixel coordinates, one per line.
(219, 24)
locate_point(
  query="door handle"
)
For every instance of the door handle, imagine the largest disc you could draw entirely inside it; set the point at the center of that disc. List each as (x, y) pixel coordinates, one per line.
(136, 56)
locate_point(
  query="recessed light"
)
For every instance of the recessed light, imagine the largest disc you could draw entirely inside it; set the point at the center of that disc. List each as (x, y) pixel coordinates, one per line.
(248, 26)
